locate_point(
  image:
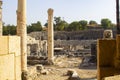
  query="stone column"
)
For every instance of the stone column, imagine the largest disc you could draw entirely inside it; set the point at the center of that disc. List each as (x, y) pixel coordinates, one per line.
(22, 32)
(50, 35)
(1, 19)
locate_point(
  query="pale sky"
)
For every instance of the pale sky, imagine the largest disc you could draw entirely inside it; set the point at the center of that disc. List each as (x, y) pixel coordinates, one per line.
(69, 10)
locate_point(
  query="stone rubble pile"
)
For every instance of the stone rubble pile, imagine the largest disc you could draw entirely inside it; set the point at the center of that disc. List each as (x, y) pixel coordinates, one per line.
(37, 70)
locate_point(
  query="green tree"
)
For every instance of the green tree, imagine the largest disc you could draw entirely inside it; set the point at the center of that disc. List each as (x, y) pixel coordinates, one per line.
(59, 24)
(9, 30)
(46, 24)
(74, 26)
(34, 27)
(106, 23)
(83, 24)
(93, 23)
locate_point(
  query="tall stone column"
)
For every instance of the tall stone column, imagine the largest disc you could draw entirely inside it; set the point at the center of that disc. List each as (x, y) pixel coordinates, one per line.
(22, 32)
(1, 19)
(50, 35)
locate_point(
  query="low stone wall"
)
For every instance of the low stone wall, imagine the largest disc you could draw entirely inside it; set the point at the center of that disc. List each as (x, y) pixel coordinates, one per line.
(10, 58)
(73, 42)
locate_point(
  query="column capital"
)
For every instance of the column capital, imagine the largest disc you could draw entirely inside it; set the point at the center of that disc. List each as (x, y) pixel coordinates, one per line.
(1, 2)
(50, 11)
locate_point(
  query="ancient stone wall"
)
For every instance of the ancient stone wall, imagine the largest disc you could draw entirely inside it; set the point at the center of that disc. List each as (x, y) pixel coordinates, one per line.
(36, 47)
(72, 35)
(10, 58)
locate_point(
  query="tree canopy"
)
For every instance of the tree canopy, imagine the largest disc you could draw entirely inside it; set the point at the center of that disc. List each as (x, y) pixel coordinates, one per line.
(83, 24)
(34, 27)
(93, 23)
(9, 30)
(106, 23)
(74, 26)
(60, 25)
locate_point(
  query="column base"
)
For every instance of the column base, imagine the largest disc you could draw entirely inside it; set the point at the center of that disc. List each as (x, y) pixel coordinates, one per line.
(50, 62)
(24, 75)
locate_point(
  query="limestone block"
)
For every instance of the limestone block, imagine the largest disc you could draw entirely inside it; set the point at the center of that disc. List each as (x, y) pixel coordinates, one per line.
(10, 45)
(106, 51)
(17, 67)
(117, 60)
(117, 77)
(3, 45)
(14, 45)
(7, 67)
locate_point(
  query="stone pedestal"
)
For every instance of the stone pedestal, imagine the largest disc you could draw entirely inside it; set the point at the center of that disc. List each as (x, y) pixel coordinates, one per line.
(50, 36)
(117, 59)
(22, 32)
(106, 51)
(108, 59)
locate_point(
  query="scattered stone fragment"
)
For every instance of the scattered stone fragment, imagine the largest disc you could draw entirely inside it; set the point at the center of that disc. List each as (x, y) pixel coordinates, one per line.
(44, 72)
(39, 67)
(70, 72)
(73, 75)
(24, 75)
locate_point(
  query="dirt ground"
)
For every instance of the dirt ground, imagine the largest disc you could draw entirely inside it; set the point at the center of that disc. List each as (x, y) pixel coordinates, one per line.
(62, 65)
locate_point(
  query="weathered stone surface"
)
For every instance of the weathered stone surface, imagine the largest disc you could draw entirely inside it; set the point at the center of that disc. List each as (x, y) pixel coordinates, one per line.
(70, 72)
(10, 54)
(116, 77)
(32, 70)
(10, 45)
(44, 72)
(7, 68)
(73, 35)
(107, 34)
(50, 35)
(117, 58)
(17, 67)
(106, 52)
(22, 32)
(24, 75)
(73, 75)
(14, 45)
(4, 45)
(39, 67)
